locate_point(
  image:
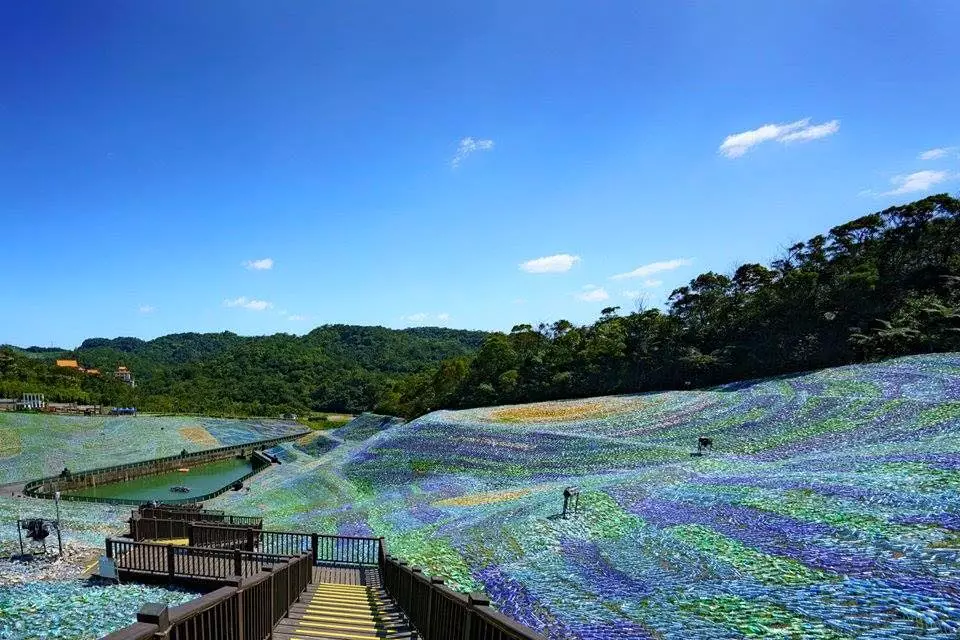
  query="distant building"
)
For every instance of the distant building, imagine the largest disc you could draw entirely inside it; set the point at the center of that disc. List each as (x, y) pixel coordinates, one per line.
(126, 375)
(69, 364)
(93, 372)
(8, 404)
(32, 401)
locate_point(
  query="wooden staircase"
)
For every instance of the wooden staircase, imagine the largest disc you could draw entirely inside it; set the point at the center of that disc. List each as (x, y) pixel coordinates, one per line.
(329, 611)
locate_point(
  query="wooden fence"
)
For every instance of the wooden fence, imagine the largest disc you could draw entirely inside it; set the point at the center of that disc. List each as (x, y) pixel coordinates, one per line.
(247, 611)
(324, 549)
(440, 613)
(154, 559)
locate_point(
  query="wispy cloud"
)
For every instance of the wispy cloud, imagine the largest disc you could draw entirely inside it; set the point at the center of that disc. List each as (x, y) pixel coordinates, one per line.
(467, 146)
(259, 265)
(146, 308)
(939, 152)
(296, 317)
(593, 294)
(248, 303)
(737, 144)
(654, 267)
(423, 317)
(918, 181)
(632, 294)
(550, 264)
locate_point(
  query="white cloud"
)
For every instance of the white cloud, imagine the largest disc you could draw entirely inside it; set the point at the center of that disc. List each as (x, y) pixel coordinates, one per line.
(652, 284)
(259, 265)
(918, 181)
(296, 317)
(248, 303)
(595, 294)
(652, 268)
(815, 132)
(629, 293)
(737, 144)
(550, 264)
(423, 317)
(146, 308)
(468, 146)
(935, 154)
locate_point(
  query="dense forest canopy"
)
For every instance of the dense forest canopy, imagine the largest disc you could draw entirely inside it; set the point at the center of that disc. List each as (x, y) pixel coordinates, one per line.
(332, 368)
(882, 285)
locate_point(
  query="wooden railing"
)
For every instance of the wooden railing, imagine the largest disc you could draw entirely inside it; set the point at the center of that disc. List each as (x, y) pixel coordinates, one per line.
(249, 610)
(144, 525)
(440, 613)
(325, 549)
(186, 562)
(286, 543)
(154, 529)
(221, 554)
(348, 550)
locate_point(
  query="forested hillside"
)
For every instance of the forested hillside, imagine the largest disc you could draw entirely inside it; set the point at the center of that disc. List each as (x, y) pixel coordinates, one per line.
(334, 367)
(882, 285)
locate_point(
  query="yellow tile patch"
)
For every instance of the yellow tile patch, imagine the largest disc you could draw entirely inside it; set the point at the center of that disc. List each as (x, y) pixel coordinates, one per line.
(488, 497)
(10, 444)
(198, 435)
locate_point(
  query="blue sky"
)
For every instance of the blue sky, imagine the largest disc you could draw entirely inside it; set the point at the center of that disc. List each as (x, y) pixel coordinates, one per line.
(471, 165)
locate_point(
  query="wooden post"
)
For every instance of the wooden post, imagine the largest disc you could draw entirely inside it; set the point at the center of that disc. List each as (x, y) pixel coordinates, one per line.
(250, 542)
(170, 561)
(241, 613)
(428, 623)
(473, 600)
(237, 563)
(109, 547)
(190, 538)
(273, 618)
(315, 547)
(414, 572)
(155, 613)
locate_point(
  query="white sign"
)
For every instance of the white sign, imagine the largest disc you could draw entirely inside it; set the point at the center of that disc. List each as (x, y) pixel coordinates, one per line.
(107, 568)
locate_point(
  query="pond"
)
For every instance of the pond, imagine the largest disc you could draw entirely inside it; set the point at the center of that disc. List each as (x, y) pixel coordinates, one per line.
(201, 479)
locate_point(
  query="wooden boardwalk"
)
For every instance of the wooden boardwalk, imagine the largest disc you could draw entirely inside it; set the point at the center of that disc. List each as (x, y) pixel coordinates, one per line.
(339, 574)
(329, 611)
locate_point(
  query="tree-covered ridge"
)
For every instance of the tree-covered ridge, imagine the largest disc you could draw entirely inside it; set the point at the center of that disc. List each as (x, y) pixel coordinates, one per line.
(882, 285)
(334, 367)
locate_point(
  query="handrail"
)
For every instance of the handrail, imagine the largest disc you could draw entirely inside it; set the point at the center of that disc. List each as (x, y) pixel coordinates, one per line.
(436, 611)
(440, 613)
(326, 549)
(188, 562)
(32, 488)
(250, 609)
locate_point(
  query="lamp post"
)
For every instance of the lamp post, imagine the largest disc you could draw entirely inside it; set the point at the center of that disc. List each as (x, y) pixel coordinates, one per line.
(56, 501)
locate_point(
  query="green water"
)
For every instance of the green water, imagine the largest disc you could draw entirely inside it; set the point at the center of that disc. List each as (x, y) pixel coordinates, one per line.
(201, 479)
